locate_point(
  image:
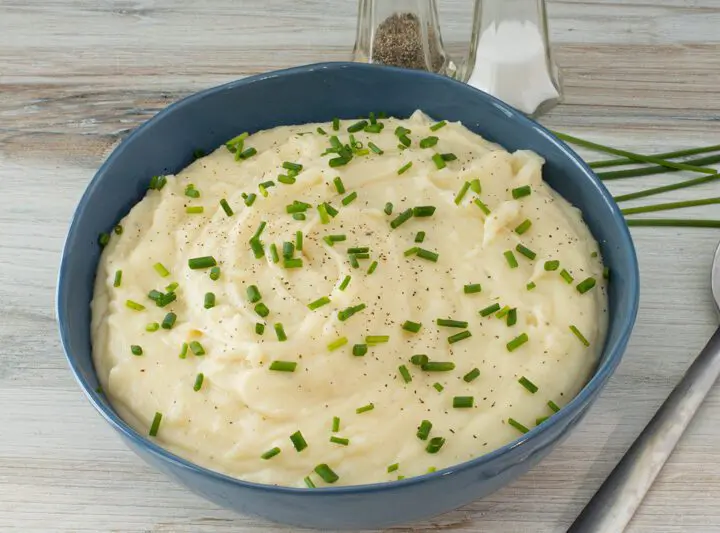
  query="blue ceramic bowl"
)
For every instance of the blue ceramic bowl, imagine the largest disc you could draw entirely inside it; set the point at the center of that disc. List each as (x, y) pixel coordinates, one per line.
(318, 93)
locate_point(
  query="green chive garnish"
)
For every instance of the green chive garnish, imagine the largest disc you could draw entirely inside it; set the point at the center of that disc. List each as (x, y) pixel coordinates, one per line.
(215, 273)
(191, 191)
(472, 288)
(335, 424)
(194, 209)
(272, 452)
(411, 251)
(377, 339)
(423, 431)
(449, 323)
(274, 256)
(350, 311)
(439, 161)
(606, 273)
(245, 154)
(551, 266)
(405, 373)
(250, 200)
(428, 142)
(392, 468)
(427, 254)
(169, 321)
(404, 168)
(412, 327)
(322, 211)
(118, 229)
(339, 186)
(152, 326)
(564, 274)
(103, 239)
(388, 208)
(157, 182)
(288, 250)
(530, 286)
(136, 350)
(262, 310)
(202, 262)
(134, 305)
(339, 161)
(372, 267)
(253, 294)
(280, 332)
(293, 263)
(452, 339)
(423, 211)
(510, 258)
(287, 180)
(183, 350)
(462, 192)
(472, 375)
(419, 359)
(438, 366)
(475, 186)
(259, 328)
(358, 126)
(517, 425)
(359, 250)
(298, 441)
(463, 402)
(160, 269)
(359, 350)
(374, 147)
(296, 167)
(521, 192)
(339, 440)
(529, 385)
(337, 343)
(540, 420)
(364, 409)
(420, 237)
(118, 278)
(155, 426)
(438, 125)
(523, 226)
(326, 473)
(196, 348)
(585, 285)
(336, 124)
(489, 310)
(298, 241)
(321, 131)
(503, 312)
(579, 335)
(435, 444)
(484, 208)
(374, 128)
(349, 198)
(283, 366)
(318, 303)
(552, 405)
(512, 317)
(527, 252)
(198, 381)
(299, 216)
(517, 342)
(345, 283)
(209, 302)
(438, 387)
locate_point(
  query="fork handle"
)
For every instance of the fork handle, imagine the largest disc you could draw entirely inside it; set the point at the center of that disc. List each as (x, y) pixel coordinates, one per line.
(616, 501)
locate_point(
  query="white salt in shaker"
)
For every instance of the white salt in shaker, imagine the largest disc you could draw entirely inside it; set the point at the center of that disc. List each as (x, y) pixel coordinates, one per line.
(510, 55)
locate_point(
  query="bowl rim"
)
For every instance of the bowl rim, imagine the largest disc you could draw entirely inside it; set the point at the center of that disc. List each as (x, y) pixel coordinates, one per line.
(573, 407)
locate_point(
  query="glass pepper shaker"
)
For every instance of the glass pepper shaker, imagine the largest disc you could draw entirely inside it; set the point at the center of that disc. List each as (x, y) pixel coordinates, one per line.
(401, 33)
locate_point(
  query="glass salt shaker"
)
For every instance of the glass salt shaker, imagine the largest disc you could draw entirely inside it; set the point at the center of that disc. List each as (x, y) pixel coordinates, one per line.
(510, 55)
(401, 33)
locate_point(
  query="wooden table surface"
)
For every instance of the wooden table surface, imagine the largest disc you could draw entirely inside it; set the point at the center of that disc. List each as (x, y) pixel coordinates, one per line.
(76, 77)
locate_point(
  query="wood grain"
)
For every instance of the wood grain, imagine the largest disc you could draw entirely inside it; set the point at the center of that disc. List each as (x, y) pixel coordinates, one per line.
(76, 77)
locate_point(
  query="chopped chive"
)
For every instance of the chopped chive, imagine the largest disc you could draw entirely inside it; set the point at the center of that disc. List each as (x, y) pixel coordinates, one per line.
(374, 147)
(297, 167)
(337, 343)
(166, 299)
(449, 323)
(339, 440)
(424, 211)
(551, 266)
(155, 426)
(489, 310)
(202, 262)
(359, 350)
(209, 301)
(377, 339)
(503, 312)
(157, 182)
(293, 263)
(517, 425)
(288, 250)
(339, 161)
(404, 168)
(322, 211)
(472, 375)
(585, 285)
(579, 335)
(420, 237)
(523, 226)
(198, 381)
(463, 402)
(196, 348)
(438, 387)
(280, 332)
(438, 125)
(540, 420)
(349, 198)
(160, 269)
(411, 251)
(118, 229)
(274, 256)
(335, 424)
(404, 141)
(564, 274)
(517, 342)
(392, 468)
(309, 482)
(423, 430)
(298, 441)
(183, 350)
(388, 208)
(452, 339)
(350, 311)
(272, 452)
(226, 207)
(336, 124)
(262, 310)
(345, 283)
(339, 186)
(358, 250)
(448, 157)
(462, 192)
(103, 239)
(364, 409)
(287, 180)
(484, 208)
(427, 254)
(134, 305)
(318, 303)
(326, 473)
(191, 191)
(419, 359)
(475, 186)
(297, 207)
(194, 209)
(530, 286)
(246, 154)
(321, 131)
(136, 350)
(253, 294)
(374, 128)
(606, 273)
(298, 241)
(152, 326)
(529, 385)
(299, 216)
(250, 200)
(521, 192)
(259, 328)
(552, 405)
(510, 258)
(405, 373)
(358, 126)
(401, 218)
(283, 366)
(439, 161)
(169, 321)
(412, 327)
(438, 366)
(435, 444)
(331, 210)
(472, 288)
(428, 142)
(527, 252)
(118, 278)
(512, 317)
